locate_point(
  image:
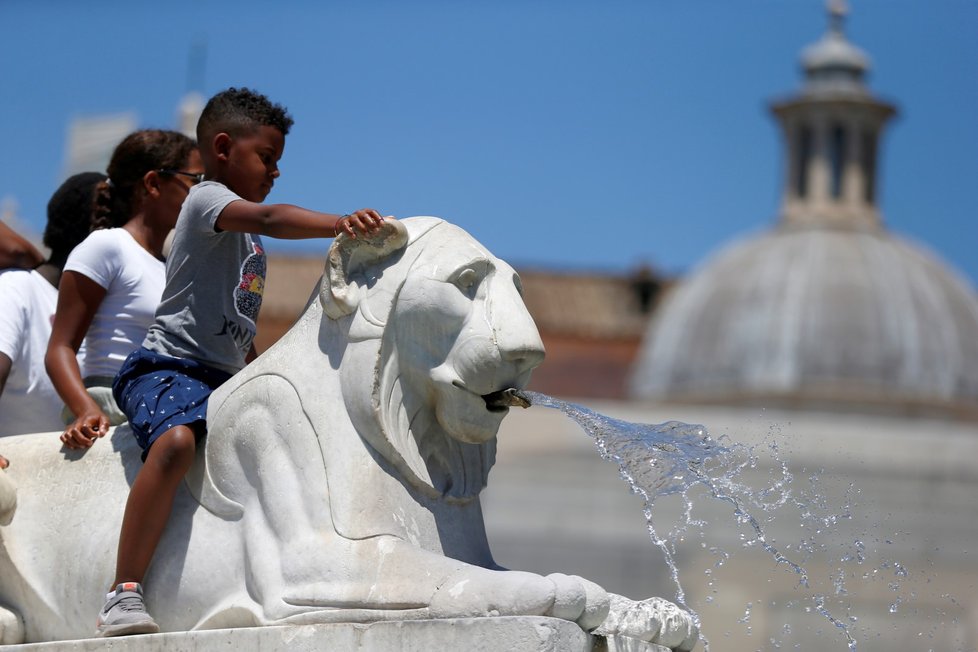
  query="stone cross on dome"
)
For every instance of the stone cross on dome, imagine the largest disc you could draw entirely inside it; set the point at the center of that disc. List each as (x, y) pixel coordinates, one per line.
(838, 9)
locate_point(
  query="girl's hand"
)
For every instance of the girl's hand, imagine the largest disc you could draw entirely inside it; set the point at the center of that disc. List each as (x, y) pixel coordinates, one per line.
(82, 432)
(4, 462)
(364, 221)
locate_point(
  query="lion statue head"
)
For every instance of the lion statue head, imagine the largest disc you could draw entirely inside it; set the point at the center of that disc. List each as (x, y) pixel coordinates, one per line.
(440, 323)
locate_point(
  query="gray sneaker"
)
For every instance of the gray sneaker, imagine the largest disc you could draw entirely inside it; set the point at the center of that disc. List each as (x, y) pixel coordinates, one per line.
(125, 613)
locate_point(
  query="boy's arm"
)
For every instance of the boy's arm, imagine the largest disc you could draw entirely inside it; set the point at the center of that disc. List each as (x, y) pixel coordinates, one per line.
(293, 222)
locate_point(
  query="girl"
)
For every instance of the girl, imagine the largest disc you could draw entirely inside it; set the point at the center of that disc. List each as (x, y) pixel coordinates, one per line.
(113, 280)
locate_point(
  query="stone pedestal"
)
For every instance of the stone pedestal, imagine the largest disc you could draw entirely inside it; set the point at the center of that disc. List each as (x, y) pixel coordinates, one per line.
(501, 634)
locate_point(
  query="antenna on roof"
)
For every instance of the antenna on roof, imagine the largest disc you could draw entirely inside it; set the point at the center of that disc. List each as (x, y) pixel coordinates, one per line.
(190, 107)
(197, 64)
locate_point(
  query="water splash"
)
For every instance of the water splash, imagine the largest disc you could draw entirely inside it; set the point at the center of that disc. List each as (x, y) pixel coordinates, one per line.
(672, 458)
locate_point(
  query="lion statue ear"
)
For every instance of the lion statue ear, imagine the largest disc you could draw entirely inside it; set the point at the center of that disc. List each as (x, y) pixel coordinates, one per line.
(344, 279)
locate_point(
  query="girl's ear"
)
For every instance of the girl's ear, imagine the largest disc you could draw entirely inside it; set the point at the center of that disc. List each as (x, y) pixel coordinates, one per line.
(222, 146)
(151, 184)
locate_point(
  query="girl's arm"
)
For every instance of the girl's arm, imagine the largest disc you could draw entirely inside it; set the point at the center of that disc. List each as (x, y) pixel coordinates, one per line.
(293, 222)
(79, 298)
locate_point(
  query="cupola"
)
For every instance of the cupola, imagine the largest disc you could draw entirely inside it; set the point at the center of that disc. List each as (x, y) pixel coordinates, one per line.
(832, 130)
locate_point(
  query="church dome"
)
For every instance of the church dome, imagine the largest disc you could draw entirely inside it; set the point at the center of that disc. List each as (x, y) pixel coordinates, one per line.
(827, 307)
(810, 315)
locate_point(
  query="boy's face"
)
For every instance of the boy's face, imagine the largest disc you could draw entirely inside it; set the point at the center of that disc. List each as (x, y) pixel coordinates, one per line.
(252, 162)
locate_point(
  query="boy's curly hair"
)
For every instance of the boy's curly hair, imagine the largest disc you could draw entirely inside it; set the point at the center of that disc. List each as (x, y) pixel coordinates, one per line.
(238, 111)
(70, 214)
(137, 154)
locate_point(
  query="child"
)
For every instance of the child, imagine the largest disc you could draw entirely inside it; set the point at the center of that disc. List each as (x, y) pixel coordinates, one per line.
(205, 323)
(113, 281)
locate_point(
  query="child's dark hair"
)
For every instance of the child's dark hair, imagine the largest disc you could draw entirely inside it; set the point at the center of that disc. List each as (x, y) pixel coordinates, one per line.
(137, 154)
(70, 214)
(239, 111)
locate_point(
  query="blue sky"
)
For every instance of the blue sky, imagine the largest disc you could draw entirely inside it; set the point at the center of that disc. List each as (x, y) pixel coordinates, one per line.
(579, 134)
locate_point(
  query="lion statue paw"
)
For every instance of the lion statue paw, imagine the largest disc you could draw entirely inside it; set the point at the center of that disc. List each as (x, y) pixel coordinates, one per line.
(653, 620)
(474, 591)
(11, 628)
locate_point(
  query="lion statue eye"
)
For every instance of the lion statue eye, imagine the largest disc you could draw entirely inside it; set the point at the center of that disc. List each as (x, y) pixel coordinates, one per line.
(466, 279)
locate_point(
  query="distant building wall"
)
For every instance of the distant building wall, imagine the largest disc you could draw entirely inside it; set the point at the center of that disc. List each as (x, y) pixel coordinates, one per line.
(591, 324)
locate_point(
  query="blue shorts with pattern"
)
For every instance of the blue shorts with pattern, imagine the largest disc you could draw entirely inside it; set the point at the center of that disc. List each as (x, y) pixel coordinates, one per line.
(158, 392)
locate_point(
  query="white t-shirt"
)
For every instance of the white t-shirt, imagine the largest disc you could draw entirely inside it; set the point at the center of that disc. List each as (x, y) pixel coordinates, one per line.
(29, 402)
(133, 280)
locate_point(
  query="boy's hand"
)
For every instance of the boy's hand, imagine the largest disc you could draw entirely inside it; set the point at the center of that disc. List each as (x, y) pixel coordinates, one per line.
(364, 221)
(82, 432)
(3, 462)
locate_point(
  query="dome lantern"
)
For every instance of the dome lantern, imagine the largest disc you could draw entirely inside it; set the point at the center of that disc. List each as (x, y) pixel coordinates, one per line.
(832, 129)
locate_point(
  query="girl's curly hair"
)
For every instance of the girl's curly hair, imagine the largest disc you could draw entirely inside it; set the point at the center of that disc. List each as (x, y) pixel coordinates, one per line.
(70, 214)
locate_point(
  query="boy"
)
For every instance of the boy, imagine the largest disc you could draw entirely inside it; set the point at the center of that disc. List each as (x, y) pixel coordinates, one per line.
(205, 323)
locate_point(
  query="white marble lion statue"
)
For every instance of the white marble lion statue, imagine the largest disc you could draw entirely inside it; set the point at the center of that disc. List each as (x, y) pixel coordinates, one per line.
(340, 478)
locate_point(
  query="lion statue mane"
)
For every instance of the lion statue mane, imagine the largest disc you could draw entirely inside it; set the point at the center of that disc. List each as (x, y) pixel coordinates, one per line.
(340, 477)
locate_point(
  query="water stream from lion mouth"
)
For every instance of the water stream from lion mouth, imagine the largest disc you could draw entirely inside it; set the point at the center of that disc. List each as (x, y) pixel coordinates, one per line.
(672, 458)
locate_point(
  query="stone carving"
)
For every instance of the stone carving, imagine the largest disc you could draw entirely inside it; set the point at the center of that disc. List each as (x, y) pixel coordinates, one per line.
(340, 478)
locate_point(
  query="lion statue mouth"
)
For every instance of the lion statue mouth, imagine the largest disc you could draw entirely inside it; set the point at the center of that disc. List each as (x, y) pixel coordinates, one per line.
(504, 399)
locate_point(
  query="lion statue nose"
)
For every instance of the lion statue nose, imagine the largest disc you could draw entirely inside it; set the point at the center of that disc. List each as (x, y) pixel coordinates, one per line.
(525, 358)
(517, 337)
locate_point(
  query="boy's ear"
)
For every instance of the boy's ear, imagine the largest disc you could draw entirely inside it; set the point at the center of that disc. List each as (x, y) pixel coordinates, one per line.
(222, 146)
(151, 183)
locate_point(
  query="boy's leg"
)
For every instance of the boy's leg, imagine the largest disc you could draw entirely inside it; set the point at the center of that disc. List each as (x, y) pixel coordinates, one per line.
(147, 512)
(151, 500)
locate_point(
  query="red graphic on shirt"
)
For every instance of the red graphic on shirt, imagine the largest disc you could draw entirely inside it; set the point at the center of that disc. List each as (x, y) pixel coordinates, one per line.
(251, 287)
(252, 283)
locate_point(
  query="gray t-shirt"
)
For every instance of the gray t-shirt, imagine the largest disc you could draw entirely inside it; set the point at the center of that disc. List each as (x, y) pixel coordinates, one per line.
(214, 285)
